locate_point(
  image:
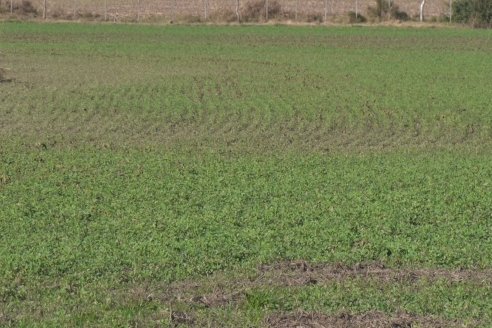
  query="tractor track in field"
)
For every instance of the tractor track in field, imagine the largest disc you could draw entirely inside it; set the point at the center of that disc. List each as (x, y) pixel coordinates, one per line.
(217, 291)
(373, 319)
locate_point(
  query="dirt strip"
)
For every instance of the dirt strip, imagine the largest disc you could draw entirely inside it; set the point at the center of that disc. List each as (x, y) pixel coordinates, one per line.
(367, 320)
(221, 290)
(302, 273)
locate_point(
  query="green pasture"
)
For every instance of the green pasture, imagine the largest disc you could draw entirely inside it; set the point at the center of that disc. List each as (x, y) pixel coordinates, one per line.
(137, 161)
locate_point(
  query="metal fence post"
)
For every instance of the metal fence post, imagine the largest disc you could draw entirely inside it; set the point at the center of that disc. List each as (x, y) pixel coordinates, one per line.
(422, 5)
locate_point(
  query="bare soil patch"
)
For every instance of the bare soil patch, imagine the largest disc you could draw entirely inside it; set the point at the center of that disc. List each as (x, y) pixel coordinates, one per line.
(181, 318)
(366, 320)
(302, 273)
(220, 290)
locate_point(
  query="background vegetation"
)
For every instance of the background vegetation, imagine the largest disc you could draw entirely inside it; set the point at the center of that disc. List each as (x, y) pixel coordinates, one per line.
(191, 11)
(475, 12)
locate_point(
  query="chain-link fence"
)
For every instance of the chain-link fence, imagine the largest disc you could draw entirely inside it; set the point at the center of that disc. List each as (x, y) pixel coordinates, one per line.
(120, 10)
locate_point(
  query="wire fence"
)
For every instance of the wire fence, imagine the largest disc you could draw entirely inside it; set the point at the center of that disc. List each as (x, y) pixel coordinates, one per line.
(120, 10)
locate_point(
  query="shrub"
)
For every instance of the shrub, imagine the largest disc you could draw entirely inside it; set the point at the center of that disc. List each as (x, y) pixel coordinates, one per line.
(401, 15)
(354, 18)
(314, 18)
(288, 14)
(192, 19)
(58, 13)
(89, 15)
(254, 10)
(475, 12)
(462, 10)
(228, 16)
(384, 9)
(26, 8)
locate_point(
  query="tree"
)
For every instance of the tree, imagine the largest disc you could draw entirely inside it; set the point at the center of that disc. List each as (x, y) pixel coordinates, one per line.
(475, 12)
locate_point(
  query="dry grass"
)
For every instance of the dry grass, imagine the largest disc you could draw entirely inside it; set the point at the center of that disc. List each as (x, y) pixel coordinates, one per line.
(218, 10)
(373, 319)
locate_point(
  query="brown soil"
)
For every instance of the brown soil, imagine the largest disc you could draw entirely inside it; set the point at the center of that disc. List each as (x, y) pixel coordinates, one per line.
(181, 318)
(303, 273)
(219, 290)
(366, 320)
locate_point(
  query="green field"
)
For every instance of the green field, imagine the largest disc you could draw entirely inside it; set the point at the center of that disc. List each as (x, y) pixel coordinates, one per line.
(245, 176)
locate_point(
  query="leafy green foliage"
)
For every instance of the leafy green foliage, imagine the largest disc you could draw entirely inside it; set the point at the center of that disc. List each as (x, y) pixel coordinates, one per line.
(475, 12)
(140, 156)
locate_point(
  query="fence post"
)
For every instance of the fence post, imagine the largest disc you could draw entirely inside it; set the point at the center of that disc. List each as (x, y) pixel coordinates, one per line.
(45, 7)
(297, 9)
(357, 9)
(266, 10)
(238, 14)
(450, 11)
(205, 9)
(174, 11)
(138, 10)
(11, 6)
(105, 10)
(326, 11)
(422, 10)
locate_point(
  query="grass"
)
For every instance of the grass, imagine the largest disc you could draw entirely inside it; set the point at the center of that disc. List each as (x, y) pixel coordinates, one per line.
(144, 166)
